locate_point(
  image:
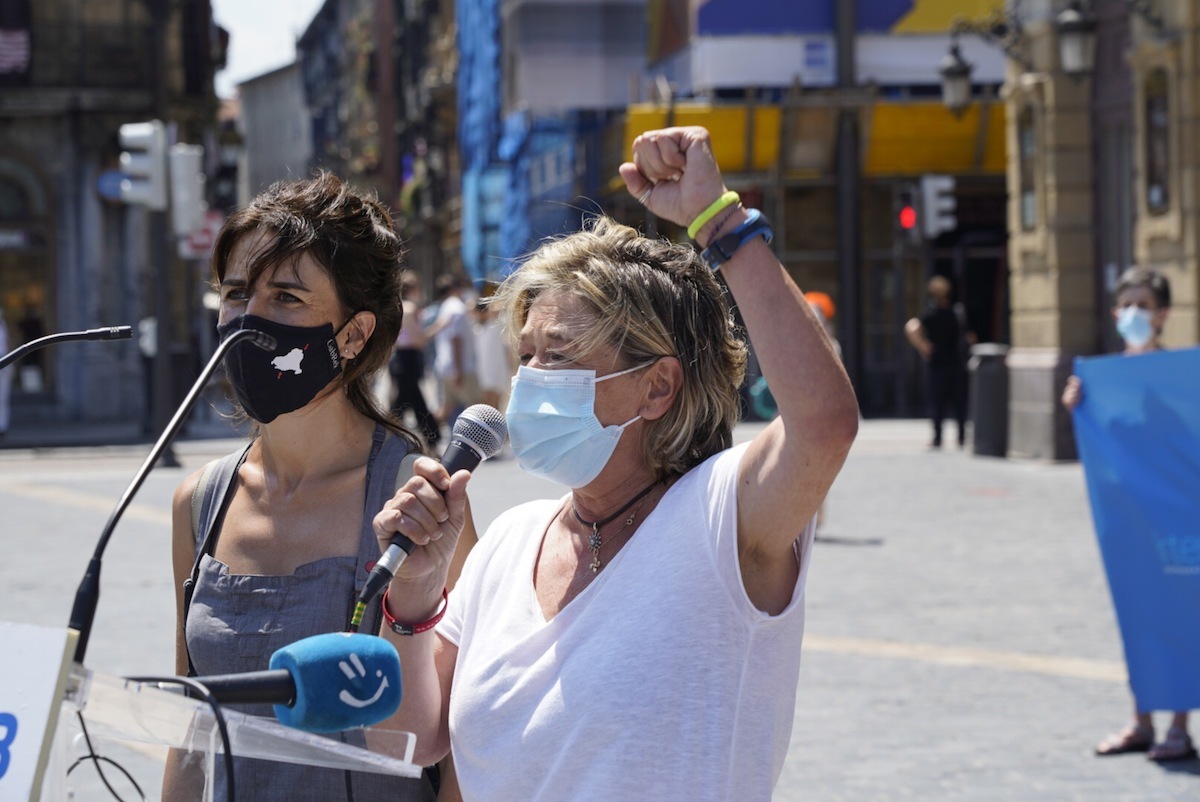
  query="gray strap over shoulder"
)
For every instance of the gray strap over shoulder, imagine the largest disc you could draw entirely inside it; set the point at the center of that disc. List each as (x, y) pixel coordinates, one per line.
(210, 498)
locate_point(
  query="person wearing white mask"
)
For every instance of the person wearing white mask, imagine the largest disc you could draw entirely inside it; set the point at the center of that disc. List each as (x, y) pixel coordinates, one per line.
(638, 637)
(1143, 299)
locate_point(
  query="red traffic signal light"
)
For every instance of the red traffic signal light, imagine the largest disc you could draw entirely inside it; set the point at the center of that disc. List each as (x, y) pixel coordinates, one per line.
(908, 217)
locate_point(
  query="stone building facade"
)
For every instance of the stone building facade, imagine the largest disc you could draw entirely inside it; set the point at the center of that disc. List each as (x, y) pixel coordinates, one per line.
(1103, 173)
(71, 256)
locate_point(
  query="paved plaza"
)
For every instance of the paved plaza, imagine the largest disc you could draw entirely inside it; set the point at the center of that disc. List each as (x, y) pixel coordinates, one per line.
(960, 644)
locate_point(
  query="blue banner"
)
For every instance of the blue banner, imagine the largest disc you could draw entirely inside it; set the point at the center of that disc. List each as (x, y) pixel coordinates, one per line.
(1138, 432)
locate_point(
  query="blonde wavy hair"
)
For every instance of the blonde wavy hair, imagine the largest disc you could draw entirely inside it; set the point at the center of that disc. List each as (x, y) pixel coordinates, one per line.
(649, 299)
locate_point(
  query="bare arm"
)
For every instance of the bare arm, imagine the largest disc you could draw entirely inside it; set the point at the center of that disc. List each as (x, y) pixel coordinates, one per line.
(1072, 395)
(431, 509)
(791, 464)
(914, 332)
(412, 324)
(182, 779)
(466, 541)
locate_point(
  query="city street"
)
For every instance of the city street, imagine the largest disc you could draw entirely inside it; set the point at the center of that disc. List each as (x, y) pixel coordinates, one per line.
(960, 641)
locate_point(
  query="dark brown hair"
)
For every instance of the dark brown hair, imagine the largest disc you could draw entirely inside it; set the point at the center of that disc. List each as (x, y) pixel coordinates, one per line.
(351, 236)
(1149, 278)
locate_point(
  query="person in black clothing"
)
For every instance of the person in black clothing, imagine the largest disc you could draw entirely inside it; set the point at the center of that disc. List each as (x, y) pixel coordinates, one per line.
(407, 363)
(940, 337)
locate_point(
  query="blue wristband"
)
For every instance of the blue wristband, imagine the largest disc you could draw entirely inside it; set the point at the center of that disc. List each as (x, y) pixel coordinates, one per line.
(721, 250)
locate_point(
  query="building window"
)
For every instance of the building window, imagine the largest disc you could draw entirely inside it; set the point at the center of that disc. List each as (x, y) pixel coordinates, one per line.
(1027, 154)
(1158, 143)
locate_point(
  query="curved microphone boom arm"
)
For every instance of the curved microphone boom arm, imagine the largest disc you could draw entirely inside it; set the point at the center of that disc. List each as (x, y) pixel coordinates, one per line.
(106, 333)
(88, 596)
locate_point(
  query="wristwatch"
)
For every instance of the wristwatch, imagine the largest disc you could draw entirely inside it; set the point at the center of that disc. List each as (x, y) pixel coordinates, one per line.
(720, 250)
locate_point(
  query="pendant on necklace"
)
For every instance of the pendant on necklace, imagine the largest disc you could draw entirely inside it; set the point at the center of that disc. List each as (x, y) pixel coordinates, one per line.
(594, 543)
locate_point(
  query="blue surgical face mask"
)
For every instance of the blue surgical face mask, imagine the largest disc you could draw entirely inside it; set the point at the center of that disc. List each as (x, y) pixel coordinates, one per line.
(1135, 326)
(553, 428)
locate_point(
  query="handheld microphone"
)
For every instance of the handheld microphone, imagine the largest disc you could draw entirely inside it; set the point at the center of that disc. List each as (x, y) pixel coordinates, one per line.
(106, 333)
(479, 433)
(83, 612)
(325, 683)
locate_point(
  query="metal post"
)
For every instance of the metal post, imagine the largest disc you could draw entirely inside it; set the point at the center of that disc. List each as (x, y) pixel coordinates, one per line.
(848, 180)
(160, 245)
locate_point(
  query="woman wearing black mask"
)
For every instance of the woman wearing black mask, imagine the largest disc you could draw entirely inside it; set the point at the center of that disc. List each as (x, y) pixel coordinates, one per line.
(273, 542)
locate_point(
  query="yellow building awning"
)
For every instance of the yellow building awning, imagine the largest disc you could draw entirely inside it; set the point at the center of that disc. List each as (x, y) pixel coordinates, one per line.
(909, 138)
(900, 138)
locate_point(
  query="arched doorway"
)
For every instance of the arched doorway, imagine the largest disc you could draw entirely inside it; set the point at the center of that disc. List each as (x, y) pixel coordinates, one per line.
(26, 285)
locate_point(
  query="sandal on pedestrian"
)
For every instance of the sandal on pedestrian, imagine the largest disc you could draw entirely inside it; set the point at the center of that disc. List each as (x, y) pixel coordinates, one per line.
(1134, 738)
(1176, 746)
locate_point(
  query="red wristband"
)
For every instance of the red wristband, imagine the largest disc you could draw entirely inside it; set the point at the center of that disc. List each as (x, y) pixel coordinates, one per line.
(414, 629)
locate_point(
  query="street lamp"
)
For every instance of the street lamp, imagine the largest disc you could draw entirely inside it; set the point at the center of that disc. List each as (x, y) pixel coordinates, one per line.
(1076, 39)
(1003, 32)
(956, 80)
(1076, 28)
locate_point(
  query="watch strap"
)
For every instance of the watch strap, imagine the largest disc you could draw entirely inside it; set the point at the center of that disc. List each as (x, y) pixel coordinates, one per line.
(721, 250)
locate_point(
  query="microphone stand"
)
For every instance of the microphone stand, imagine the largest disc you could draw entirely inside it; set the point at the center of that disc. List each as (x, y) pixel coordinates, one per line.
(88, 596)
(107, 333)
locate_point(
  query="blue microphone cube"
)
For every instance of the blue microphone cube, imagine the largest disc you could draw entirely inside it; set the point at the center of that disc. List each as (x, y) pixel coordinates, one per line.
(343, 681)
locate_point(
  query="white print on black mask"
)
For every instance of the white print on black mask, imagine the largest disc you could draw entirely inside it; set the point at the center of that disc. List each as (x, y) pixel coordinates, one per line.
(289, 361)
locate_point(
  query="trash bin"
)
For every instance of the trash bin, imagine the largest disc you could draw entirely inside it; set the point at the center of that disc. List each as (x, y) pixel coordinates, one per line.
(989, 398)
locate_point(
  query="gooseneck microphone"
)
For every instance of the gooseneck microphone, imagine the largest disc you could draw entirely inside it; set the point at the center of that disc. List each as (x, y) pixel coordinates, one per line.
(324, 683)
(479, 433)
(106, 333)
(83, 613)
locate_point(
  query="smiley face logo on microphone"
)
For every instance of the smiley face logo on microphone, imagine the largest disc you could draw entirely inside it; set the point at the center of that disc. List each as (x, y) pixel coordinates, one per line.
(340, 680)
(356, 672)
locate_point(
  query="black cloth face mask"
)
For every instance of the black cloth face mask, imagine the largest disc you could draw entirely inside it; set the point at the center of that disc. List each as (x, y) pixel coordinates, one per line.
(272, 383)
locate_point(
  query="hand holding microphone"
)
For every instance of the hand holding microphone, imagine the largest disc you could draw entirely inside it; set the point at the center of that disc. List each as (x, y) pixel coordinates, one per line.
(479, 434)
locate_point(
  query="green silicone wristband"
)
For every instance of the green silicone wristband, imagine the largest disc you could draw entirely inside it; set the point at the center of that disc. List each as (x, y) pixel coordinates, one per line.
(726, 200)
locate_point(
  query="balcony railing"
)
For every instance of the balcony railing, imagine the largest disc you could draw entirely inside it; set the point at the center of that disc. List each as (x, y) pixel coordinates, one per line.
(92, 56)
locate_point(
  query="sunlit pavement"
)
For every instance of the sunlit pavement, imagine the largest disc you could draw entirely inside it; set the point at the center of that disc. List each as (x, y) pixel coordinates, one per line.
(960, 644)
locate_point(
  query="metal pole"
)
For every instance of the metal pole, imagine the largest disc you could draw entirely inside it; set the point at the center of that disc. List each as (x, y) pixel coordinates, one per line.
(848, 180)
(160, 245)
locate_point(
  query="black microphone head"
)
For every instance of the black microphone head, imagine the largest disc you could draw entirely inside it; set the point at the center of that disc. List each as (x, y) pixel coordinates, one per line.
(265, 341)
(110, 333)
(483, 428)
(259, 338)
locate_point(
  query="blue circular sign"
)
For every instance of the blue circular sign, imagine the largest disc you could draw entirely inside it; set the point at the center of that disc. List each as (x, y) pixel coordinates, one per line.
(108, 184)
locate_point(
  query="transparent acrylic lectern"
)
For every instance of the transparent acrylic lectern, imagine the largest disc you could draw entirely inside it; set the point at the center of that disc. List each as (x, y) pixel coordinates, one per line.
(136, 725)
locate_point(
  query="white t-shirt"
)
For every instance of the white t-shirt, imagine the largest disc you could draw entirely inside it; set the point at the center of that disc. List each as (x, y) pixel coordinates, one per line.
(661, 680)
(491, 356)
(457, 327)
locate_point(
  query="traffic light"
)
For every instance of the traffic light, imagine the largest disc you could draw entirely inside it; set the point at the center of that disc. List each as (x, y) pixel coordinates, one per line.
(144, 163)
(187, 189)
(937, 205)
(907, 216)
